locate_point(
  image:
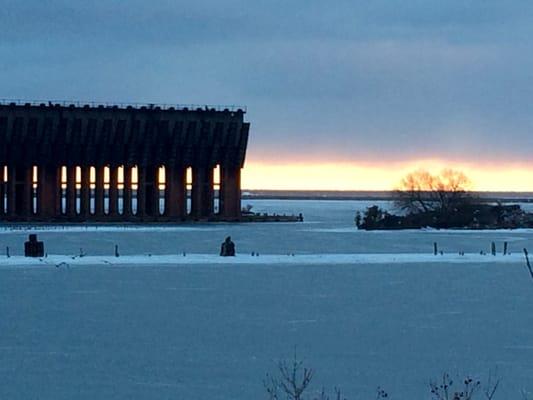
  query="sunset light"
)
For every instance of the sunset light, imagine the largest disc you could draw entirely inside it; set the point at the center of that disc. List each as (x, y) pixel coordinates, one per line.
(384, 176)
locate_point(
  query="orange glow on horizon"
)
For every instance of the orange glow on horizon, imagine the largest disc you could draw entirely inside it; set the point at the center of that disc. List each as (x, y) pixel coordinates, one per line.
(353, 176)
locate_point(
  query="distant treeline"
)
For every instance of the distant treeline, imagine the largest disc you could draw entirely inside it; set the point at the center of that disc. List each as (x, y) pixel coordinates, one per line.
(522, 197)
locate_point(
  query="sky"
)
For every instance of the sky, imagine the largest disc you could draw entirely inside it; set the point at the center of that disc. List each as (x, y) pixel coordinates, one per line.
(344, 94)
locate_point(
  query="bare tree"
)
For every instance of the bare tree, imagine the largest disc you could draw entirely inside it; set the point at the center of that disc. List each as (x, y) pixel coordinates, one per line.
(292, 380)
(421, 191)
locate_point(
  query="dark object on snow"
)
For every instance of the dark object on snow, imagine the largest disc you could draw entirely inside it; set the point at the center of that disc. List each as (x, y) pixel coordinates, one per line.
(33, 248)
(227, 249)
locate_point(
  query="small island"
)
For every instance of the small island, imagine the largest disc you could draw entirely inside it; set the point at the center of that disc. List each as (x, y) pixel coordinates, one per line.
(442, 201)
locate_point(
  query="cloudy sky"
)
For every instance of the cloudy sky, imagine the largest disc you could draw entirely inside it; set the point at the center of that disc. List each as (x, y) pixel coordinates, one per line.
(343, 94)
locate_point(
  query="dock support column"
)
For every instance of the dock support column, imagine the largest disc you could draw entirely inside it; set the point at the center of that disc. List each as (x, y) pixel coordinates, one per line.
(113, 191)
(85, 192)
(141, 191)
(99, 193)
(156, 199)
(208, 193)
(230, 192)
(175, 192)
(27, 192)
(11, 192)
(196, 192)
(202, 192)
(181, 180)
(58, 187)
(47, 192)
(71, 192)
(151, 187)
(126, 196)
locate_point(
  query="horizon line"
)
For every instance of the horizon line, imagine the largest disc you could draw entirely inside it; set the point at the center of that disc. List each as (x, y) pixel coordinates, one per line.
(370, 190)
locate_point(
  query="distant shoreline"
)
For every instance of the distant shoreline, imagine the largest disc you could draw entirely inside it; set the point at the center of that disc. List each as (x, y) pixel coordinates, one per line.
(521, 197)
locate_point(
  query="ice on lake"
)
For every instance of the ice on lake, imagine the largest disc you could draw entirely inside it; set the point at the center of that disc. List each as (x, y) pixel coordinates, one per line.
(362, 308)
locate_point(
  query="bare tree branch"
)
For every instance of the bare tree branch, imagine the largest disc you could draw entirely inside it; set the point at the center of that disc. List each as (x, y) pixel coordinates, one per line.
(492, 385)
(293, 380)
(421, 192)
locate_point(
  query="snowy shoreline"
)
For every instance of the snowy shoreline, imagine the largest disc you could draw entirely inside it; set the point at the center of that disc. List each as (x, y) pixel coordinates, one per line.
(218, 226)
(268, 259)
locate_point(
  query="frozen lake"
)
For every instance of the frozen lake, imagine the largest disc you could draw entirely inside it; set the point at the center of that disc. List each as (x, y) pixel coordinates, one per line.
(328, 228)
(377, 309)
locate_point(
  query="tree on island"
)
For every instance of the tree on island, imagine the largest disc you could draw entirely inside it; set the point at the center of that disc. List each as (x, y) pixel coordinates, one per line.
(422, 192)
(442, 201)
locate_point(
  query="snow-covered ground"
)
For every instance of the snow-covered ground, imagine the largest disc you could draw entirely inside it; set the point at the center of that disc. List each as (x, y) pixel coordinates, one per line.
(363, 308)
(169, 260)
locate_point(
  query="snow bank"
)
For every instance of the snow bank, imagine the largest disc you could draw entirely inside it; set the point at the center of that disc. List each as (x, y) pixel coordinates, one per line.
(268, 259)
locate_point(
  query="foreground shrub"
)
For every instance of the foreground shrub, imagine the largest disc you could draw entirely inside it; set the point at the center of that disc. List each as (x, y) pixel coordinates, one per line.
(292, 379)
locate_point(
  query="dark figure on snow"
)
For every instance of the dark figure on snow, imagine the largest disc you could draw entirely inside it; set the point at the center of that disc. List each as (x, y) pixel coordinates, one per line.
(33, 247)
(228, 248)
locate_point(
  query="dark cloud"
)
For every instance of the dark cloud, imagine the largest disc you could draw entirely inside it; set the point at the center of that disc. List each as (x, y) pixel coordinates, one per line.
(348, 80)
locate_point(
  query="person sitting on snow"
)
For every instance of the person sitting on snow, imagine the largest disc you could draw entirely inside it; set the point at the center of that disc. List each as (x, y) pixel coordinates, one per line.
(227, 249)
